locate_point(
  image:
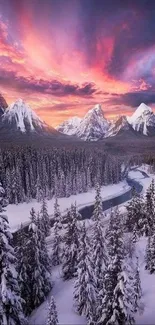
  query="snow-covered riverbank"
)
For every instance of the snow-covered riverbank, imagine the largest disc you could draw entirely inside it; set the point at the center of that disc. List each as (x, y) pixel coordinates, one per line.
(20, 213)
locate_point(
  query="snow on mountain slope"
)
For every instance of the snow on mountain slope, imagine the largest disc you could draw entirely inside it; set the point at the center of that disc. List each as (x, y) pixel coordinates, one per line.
(120, 124)
(93, 126)
(69, 126)
(143, 120)
(19, 117)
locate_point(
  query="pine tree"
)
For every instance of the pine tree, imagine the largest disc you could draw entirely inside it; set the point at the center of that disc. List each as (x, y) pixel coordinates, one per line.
(23, 268)
(56, 256)
(33, 216)
(85, 285)
(136, 217)
(71, 244)
(137, 287)
(11, 311)
(150, 253)
(45, 219)
(28, 190)
(39, 191)
(98, 211)
(99, 255)
(52, 313)
(117, 302)
(34, 267)
(44, 257)
(150, 206)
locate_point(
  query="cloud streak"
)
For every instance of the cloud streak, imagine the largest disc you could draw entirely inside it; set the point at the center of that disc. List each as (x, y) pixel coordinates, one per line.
(52, 87)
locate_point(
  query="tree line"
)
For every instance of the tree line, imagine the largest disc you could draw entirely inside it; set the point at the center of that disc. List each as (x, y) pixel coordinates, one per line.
(30, 173)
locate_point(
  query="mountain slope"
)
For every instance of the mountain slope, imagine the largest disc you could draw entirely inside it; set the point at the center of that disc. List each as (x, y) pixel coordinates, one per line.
(19, 117)
(143, 120)
(70, 126)
(93, 126)
(119, 125)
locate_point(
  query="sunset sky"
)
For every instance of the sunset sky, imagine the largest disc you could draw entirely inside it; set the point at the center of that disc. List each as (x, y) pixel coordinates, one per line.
(64, 56)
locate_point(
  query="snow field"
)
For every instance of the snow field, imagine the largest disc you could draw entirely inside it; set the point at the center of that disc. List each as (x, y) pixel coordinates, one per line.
(20, 213)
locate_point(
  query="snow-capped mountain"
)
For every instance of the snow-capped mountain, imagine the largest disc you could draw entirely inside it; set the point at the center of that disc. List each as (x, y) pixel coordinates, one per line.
(143, 120)
(20, 117)
(69, 126)
(3, 105)
(119, 125)
(93, 126)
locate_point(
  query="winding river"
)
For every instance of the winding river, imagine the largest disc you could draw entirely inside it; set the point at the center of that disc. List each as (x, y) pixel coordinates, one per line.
(87, 211)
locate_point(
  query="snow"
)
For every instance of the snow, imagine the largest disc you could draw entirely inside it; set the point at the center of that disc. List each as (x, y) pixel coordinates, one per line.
(91, 127)
(20, 213)
(20, 112)
(142, 118)
(70, 126)
(144, 181)
(63, 290)
(63, 294)
(94, 125)
(120, 123)
(141, 110)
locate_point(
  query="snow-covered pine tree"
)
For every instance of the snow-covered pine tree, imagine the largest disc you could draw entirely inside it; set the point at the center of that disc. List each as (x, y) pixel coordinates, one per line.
(98, 211)
(136, 217)
(56, 255)
(44, 257)
(11, 312)
(150, 253)
(85, 285)
(52, 318)
(99, 260)
(150, 206)
(99, 256)
(33, 216)
(39, 191)
(45, 219)
(38, 281)
(117, 302)
(23, 268)
(28, 188)
(71, 244)
(137, 287)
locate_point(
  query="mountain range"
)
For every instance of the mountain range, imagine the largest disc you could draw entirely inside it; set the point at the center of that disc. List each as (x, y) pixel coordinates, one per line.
(19, 119)
(94, 126)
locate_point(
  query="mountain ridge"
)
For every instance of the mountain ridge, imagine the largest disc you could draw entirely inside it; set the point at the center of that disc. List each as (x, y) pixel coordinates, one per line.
(141, 122)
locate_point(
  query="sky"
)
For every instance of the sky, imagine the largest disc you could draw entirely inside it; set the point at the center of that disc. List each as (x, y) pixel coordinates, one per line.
(64, 56)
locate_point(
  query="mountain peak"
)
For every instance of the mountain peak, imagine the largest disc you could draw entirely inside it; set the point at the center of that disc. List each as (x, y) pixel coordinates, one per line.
(69, 126)
(93, 126)
(141, 110)
(143, 119)
(96, 109)
(21, 117)
(120, 124)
